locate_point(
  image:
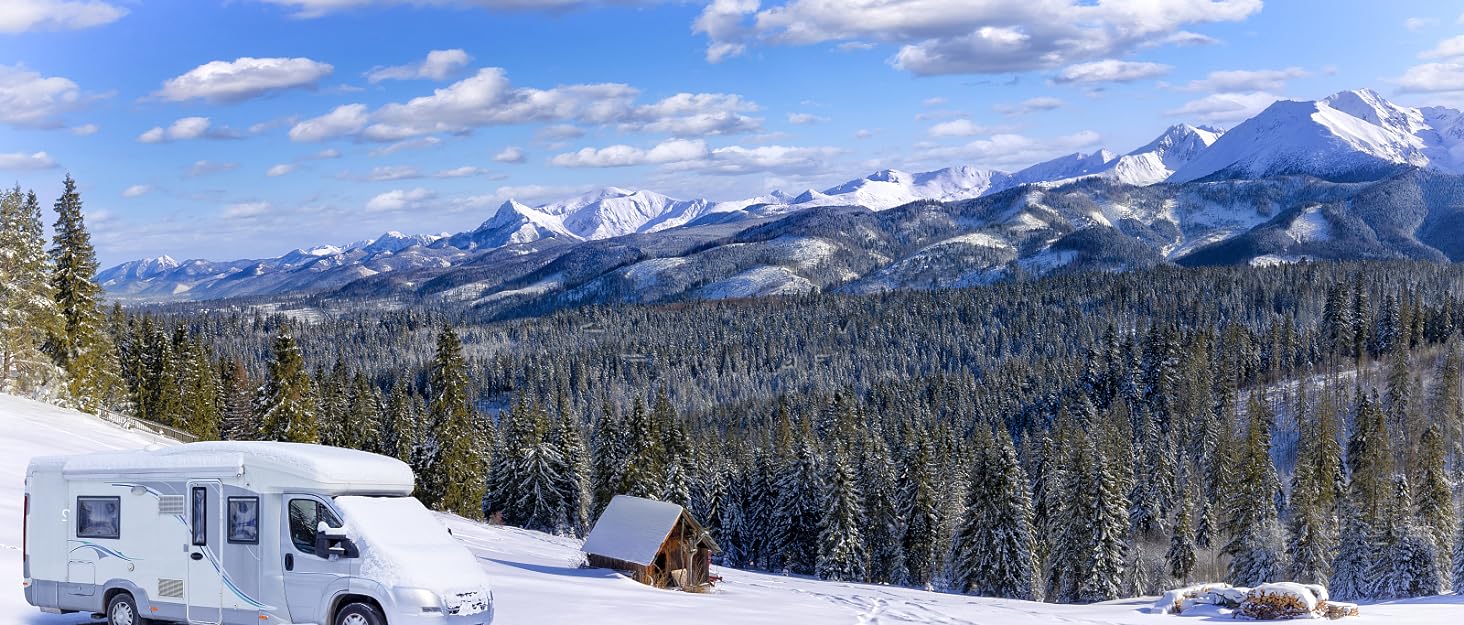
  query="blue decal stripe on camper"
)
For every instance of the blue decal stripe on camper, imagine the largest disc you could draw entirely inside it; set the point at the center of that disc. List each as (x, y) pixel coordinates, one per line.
(102, 551)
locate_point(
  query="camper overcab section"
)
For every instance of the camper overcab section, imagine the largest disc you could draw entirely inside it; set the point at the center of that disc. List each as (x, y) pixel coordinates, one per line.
(243, 532)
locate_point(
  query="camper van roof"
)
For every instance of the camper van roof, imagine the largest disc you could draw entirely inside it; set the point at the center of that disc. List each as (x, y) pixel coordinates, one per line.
(316, 467)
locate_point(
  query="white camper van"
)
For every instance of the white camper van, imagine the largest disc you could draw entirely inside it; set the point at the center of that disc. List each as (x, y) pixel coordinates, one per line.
(239, 532)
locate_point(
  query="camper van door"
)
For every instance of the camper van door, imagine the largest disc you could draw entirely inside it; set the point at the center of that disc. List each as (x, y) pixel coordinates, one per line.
(309, 575)
(205, 552)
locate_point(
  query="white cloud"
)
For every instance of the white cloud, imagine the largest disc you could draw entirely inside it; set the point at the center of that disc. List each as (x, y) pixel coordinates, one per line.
(803, 119)
(244, 78)
(137, 190)
(675, 150)
(84, 130)
(511, 154)
(1419, 23)
(343, 120)
(410, 144)
(1240, 80)
(318, 8)
(326, 154)
(1013, 151)
(936, 101)
(280, 170)
(185, 129)
(18, 16)
(30, 100)
(247, 210)
(465, 171)
(20, 160)
(204, 168)
(560, 132)
(957, 128)
(1030, 105)
(1450, 48)
(387, 173)
(1110, 70)
(398, 200)
(439, 65)
(488, 99)
(1432, 78)
(961, 36)
(1223, 108)
(863, 133)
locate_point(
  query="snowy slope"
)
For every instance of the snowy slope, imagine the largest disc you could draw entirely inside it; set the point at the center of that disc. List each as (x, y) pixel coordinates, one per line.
(537, 579)
(1346, 135)
(891, 187)
(1157, 161)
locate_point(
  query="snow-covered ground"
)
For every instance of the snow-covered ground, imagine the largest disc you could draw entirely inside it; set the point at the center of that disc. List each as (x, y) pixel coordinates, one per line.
(537, 579)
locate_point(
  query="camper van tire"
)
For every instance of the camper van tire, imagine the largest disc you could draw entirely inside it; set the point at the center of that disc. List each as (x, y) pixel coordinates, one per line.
(358, 614)
(122, 610)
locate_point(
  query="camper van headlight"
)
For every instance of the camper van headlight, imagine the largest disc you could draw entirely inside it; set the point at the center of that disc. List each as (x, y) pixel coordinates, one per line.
(427, 601)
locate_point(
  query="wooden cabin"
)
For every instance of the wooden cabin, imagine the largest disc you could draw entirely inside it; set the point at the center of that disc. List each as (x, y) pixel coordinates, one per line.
(653, 542)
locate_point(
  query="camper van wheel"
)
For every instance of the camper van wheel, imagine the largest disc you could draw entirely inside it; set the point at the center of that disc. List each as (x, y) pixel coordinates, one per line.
(359, 614)
(122, 610)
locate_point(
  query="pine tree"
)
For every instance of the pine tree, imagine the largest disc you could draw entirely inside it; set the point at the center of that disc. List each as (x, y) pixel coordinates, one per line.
(574, 483)
(200, 390)
(1181, 555)
(1457, 576)
(796, 505)
(541, 498)
(1352, 565)
(886, 525)
(399, 423)
(1406, 561)
(285, 407)
(1104, 507)
(454, 479)
(607, 458)
(1312, 524)
(363, 415)
(1436, 499)
(1255, 545)
(994, 555)
(82, 347)
(921, 510)
(28, 310)
(644, 462)
(235, 395)
(841, 547)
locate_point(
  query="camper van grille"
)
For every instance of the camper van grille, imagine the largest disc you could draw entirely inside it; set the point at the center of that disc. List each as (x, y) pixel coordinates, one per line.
(170, 588)
(170, 504)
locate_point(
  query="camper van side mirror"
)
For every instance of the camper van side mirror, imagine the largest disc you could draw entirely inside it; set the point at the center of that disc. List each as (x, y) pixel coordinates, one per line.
(332, 543)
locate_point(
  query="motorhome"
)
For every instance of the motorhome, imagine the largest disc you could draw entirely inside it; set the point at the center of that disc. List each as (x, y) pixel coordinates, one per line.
(230, 533)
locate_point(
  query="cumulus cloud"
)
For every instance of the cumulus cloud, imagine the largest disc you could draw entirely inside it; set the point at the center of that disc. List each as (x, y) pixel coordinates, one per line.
(1013, 151)
(20, 160)
(960, 36)
(243, 79)
(326, 154)
(957, 128)
(1222, 108)
(1030, 105)
(343, 120)
(1419, 23)
(398, 200)
(30, 100)
(439, 65)
(280, 170)
(804, 119)
(1450, 48)
(186, 129)
(1432, 78)
(1110, 70)
(863, 133)
(465, 171)
(511, 154)
(488, 99)
(18, 16)
(696, 156)
(675, 150)
(1240, 80)
(137, 190)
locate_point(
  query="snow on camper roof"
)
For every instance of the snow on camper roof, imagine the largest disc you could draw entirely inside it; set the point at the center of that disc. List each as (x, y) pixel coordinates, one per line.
(326, 468)
(632, 529)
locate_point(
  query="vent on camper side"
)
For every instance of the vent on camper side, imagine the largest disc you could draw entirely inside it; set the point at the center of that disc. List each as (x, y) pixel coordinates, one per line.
(170, 587)
(170, 504)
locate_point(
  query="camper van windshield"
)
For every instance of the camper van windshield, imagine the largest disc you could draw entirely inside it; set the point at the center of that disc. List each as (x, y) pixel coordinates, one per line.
(393, 521)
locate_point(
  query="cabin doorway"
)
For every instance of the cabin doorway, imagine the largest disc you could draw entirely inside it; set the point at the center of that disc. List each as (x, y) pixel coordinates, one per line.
(205, 585)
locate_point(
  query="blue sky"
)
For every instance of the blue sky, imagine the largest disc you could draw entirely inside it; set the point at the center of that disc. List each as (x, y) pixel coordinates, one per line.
(246, 128)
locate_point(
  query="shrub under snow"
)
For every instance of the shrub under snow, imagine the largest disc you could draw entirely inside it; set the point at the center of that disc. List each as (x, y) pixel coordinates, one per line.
(1276, 601)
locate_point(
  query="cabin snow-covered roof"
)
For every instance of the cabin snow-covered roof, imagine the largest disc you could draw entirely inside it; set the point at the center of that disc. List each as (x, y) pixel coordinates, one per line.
(315, 466)
(632, 529)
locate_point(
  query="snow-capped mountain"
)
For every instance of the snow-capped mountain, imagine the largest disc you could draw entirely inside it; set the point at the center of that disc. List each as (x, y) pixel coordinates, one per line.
(1348, 135)
(1097, 198)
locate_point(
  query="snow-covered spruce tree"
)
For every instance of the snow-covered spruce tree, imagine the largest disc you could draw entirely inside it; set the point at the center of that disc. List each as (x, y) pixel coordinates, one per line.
(841, 550)
(1250, 518)
(1146, 496)
(1406, 561)
(541, 504)
(797, 505)
(921, 509)
(235, 395)
(886, 529)
(200, 389)
(607, 458)
(994, 556)
(82, 346)
(399, 423)
(1436, 498)
(675, 450)
(454, 479)
(1312, 519)
(28, 311)
(284, 407)
(1181, 555)
(574, 483)
(644, 463)
(519, 431)
(1105, 509)
(1369, 461)
(1352, 565)
(1457, 576)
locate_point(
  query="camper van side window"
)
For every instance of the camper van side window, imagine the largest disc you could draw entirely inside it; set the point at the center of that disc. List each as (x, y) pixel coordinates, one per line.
(305, 516)
(98, 517)
(244, 520)
(200, 516)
